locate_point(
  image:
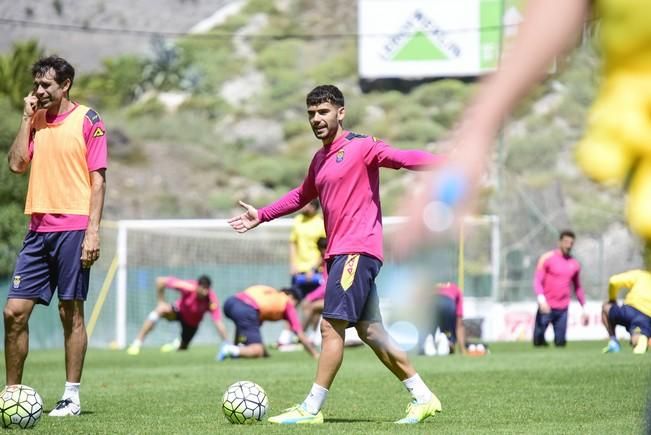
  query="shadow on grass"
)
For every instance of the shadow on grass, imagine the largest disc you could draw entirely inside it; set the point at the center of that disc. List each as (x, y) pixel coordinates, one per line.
(83, 412)
(352, 420)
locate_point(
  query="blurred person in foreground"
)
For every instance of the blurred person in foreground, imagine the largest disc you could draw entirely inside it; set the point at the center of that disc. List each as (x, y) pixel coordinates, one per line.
(557, 273)
(615, 149)
(345, 175)
(63, 144)
(251, 307)
(634, 314)
(196, 298)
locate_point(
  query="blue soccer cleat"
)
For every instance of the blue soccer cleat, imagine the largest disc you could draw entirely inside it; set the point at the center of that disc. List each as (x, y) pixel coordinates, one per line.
(613, 347)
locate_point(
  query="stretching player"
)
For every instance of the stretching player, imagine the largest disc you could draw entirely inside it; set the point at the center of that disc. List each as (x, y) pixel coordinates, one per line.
(634, 314)
(344, 174)
(196, 298)
(248, 309)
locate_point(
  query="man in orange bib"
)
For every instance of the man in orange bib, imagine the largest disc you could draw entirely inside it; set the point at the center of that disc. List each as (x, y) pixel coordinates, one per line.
(64, 144)
(249, 308)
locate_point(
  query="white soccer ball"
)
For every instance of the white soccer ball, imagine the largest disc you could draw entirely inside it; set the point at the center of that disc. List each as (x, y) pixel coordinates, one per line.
(245, 402)
(20, 407)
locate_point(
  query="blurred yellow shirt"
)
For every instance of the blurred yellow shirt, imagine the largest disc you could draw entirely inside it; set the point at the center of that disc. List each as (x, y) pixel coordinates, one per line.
(638, 284)
(306, 231)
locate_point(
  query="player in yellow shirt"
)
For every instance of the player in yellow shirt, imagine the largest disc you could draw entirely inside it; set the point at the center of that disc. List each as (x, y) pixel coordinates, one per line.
(634, 314)
(304, 260)
(304, 255)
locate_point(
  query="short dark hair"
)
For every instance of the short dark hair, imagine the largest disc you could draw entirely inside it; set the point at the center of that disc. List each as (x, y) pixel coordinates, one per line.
(62, 69)
(204, 281)
(315, 203)
(567, 233)
(293, 292)
(325, 94)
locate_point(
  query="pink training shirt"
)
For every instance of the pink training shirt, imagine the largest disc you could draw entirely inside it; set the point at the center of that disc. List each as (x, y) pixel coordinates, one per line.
(96, 159)
(555, 273)
(345, 176)
(190, 306)
(453, 292)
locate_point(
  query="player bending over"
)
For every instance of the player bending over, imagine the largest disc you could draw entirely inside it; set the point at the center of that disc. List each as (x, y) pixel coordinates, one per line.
(196, 298)
(248, 309)
(634, 314)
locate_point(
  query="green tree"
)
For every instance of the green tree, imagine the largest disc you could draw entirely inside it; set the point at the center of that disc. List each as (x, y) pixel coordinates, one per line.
(15, 82)
(12, 192)
(15, 71)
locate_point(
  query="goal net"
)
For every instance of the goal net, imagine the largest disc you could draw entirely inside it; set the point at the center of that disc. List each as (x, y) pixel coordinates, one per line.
(122, 297)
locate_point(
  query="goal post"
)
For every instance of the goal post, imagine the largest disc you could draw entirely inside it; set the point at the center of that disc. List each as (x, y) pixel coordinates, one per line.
(188, 248)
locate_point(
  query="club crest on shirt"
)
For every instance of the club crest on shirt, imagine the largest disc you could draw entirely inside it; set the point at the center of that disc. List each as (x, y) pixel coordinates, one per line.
(340, 156)
(98, 132)
(16, 281)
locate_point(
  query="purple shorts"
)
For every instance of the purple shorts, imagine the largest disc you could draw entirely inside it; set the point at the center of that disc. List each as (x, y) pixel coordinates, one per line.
(49, 262)
(350, 291)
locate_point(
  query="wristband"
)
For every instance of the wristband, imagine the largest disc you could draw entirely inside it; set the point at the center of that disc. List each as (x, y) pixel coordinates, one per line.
(448, 190)
(450, 187)
(542, 299)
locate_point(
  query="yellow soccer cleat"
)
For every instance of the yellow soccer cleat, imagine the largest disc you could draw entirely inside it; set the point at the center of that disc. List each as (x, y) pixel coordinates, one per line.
(642, 344)
(133, 350)
(297, 415)
(417, 413)
(171, 347)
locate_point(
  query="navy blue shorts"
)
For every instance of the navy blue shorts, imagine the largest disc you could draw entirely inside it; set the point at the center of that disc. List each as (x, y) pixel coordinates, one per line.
(446, 317)
(630, 318)
(49, 262)
(246, 319)
(350, 291)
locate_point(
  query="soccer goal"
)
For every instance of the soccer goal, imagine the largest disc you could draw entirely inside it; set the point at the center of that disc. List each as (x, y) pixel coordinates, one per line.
(146, 249)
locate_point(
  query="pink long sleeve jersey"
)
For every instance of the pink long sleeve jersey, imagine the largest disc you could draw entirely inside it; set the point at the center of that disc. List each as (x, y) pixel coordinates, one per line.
(345, 176)
(555, 274)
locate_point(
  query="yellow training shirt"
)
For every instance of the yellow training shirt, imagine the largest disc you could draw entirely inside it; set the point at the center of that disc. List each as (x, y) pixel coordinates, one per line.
(638, 283)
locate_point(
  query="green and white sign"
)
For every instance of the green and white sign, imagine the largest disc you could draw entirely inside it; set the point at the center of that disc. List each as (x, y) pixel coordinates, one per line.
(433, 38)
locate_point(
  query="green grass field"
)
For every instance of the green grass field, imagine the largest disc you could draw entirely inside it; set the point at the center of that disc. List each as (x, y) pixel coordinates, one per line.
(515, 389)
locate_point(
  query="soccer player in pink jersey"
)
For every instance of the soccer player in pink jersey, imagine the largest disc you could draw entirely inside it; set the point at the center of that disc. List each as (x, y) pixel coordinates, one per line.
(557, 273)
(195, 299)
(447, 317)
(63, 143)
(344, 175)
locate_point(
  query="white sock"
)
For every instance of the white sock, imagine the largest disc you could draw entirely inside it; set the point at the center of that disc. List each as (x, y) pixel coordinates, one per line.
(418, 389)
(71, 391)
(137, 342)
(233, 350)
(315, 400)
(285, 337)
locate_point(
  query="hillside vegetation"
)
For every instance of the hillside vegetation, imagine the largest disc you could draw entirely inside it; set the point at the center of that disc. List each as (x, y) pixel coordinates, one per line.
(209, 119)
